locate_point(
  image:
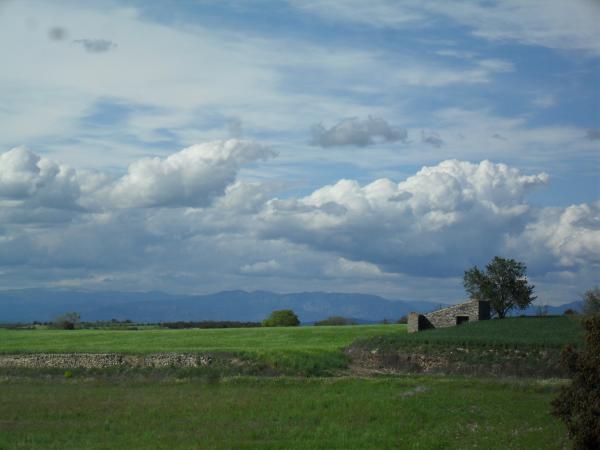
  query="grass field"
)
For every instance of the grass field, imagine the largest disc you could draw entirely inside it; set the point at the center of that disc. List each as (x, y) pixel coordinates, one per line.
(290, 350)
(190, 340)
(517, 332)
(404, 412)
(547, 332)
(210, 408)
(520, 345)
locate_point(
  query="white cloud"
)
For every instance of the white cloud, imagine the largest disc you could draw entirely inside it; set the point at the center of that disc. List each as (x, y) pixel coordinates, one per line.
(566, 238)
(380, 237)
(192, 177)
(443, 217)
(29, 179)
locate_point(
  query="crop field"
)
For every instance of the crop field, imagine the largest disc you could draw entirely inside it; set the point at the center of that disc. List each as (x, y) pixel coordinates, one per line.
(516, 332)
(289, 350)
(215, 407)
(324, 338)
(403, 412)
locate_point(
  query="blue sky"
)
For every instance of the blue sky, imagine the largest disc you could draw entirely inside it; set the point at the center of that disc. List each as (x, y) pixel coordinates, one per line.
(381, 147)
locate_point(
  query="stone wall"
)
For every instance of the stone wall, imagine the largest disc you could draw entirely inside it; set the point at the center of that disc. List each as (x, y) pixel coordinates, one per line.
(103, 360)
(471, 311)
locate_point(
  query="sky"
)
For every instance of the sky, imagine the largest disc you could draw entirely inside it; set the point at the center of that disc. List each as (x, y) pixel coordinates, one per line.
(381, 147)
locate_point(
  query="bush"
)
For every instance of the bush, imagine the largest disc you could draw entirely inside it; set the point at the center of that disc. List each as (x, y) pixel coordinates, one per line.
(68, 321)
(336, 320)
(591, 301)
(578, 405)
(281, 318)
(403, 319)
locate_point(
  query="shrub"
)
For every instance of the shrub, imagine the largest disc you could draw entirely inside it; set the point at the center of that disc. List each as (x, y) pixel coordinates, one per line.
(578, 405)
(570, 312)
(591, 301)
(336, 320)
(403, 319)
(68, 321)
(281, 318)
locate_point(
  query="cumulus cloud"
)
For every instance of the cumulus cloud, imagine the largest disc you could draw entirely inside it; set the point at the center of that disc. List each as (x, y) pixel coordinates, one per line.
(445, 216)
(433, 224)
(357, 132)
(563, 237)
(27, 178)
(96, 45)
(192, 177)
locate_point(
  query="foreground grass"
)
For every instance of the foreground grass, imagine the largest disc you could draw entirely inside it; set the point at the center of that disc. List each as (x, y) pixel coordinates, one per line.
(406, 412)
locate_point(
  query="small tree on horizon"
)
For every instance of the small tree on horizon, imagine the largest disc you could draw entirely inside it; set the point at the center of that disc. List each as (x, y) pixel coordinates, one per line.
(68, 321)
(503, 283)
(281, 318)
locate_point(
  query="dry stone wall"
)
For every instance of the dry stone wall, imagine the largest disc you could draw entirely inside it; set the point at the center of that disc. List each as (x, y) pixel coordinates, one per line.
(103, 360)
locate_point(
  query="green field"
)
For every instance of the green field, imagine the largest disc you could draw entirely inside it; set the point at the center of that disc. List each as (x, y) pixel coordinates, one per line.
(404, 412)
(547, 332)
(289, 350)
(220, 406)
(517, 332)
(190, 340)
(521, 346)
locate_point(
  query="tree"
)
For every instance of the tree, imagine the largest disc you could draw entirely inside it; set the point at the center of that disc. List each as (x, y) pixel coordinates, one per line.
(578, 403)
(503, 284)
(591, 301)
(68, 321)
(281, 318)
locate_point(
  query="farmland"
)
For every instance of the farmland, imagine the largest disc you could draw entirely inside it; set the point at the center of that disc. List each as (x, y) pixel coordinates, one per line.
(190, 340)
(293, 406)
(516, 332)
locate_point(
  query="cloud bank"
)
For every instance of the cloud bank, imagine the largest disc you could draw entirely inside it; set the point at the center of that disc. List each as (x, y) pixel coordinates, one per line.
(186, 218)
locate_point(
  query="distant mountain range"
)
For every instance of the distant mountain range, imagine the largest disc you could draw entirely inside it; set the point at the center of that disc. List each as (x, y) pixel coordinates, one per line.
(28, 305)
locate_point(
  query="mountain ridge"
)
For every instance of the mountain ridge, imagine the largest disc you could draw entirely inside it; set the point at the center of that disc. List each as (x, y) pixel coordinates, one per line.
(39, 304)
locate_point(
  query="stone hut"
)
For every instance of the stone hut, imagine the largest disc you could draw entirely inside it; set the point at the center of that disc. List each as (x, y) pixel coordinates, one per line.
(470, 311)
